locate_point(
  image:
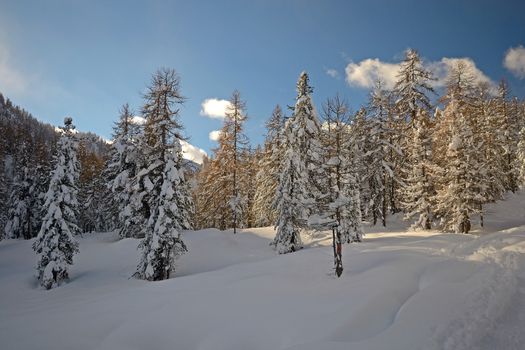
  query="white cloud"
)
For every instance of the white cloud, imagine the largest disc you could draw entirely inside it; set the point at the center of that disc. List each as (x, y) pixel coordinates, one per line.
(138, 120)
(214, 108)
(190, 152)
(214, 135)
(514, 61)
(441, 68)
(193, 153)
(332, 72)
(365, 73)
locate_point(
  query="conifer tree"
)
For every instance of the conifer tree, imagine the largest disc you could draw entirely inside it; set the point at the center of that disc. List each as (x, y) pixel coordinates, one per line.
(509, 129)
(233, 134)
(381, 153)
(55, 243)
(299, 186)
(226, 201)
(342, 202)
(20, 215)
(459, 195)
(359, 148)
(267, 177)
(411, 92)
(121, 170)
(160, 191)
(419, 189)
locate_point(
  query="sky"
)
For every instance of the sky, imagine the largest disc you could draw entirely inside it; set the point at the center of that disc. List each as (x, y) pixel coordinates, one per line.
(86, 58)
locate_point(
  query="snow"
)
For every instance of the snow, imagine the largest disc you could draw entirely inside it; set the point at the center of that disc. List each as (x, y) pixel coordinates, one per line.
(400, 290)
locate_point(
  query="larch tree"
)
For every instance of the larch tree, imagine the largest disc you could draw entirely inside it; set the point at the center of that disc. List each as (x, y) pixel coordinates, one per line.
(55, 243)
(342, 207)
(418, 191)
(508, 124)
(159, 186)
(520, 157)
(226, 200)
(458, 196)
(235, 141)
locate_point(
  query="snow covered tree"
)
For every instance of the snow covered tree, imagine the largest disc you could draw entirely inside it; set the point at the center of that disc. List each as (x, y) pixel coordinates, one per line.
(419, 189)
(521, 157)
(21, 215)
(359, 147)
(342, 202)
(55, 243)
(412, 87)
(411, 92)
(121, 170)
(160, 190)
(380, 154)
(476, 106)
(299, 186)
(267, 177)
(163, 243)
(458, 196)
(91, 189)
(508, 124)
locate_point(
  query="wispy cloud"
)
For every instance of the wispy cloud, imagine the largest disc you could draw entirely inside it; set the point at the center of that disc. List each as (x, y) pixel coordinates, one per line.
(332, 72)
(214, 108)
(365, 73)
(17, 81)
(12, 81)
(514, 61)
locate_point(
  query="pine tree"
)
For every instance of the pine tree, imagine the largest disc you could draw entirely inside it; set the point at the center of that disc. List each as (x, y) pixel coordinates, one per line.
(121, 170)
(55, 243)
(20, 215)
(381, 153)
(267, 177)
(299, 186)
(412, 102)
(160, 189)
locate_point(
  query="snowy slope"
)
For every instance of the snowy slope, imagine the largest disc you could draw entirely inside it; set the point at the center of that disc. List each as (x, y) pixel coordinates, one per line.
(400, 290)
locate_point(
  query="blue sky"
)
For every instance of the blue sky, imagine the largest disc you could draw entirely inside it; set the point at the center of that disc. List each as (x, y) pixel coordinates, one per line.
(87, 58)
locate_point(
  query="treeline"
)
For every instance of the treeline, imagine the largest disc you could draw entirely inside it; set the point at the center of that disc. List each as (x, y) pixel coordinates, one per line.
(27, 147)
(437, 159)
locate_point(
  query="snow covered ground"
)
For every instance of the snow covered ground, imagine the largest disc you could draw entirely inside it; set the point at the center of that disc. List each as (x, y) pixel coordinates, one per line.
(399, 290)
